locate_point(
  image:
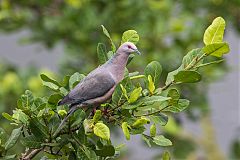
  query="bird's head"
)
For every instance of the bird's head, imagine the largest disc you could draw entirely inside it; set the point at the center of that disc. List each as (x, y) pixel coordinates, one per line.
(128, 47)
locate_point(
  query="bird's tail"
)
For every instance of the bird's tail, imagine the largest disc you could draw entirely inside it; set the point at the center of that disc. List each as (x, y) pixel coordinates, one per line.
(70, 112)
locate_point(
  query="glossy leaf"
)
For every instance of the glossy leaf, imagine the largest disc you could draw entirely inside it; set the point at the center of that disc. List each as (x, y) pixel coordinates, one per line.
(135, 94)
(180, 106)
(174, 94)
(106, 151)
(7, 116)
(12, 140)
(154, 69)
(54, 98)
(153, 99)
(214, 33)
(170, 76)
(125, 130)
(187, 77)
(124, 91)
(31, 142)
(191, 57)
(97, 116)
(162, 141)
(75, 79)
(20, 117)
(110, 39)
(88, 126)
(166, 156)
(38, 129)
(130, 36)
(153, 130)
(140, 122)
(50, 83)
(101, 130)
(118, 95)
(27, 99)
(151, 86)
(216, 49)
(101, 52)
(159, 119)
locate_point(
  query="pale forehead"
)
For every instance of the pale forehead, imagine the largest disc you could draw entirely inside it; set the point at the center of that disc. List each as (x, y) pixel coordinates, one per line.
(129, 43)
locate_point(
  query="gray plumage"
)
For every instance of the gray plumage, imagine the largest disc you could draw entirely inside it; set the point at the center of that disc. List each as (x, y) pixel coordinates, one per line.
(98, 85)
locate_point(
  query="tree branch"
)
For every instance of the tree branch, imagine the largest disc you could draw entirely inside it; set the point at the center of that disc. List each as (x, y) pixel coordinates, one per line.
(29, 155)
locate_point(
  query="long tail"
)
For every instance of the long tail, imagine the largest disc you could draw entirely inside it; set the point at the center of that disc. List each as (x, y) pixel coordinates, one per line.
(70, 112)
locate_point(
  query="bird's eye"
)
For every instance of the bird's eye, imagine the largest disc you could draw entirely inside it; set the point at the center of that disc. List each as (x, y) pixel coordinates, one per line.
(129, 46)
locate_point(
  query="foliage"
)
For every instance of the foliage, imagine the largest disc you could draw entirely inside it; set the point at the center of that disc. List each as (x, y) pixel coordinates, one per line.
(133, 105)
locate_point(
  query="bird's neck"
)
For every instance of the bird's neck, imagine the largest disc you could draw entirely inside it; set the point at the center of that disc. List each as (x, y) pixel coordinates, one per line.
(120, 59)
(118, 63)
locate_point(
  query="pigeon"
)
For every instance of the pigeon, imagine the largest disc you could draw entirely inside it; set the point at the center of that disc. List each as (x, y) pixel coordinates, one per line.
(98, 86)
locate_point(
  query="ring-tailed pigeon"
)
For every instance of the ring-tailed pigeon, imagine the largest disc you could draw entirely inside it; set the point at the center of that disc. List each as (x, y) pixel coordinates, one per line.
(98, 85)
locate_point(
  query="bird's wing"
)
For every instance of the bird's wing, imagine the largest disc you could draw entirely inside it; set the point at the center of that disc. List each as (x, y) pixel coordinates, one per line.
(95, 85)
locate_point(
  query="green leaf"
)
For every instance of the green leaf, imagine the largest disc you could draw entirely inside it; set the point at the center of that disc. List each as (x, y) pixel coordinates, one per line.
(130, 36)
(108, 35)
(88, 126)
(151, 86)
(78, 116)
(101, 130)
(12, 140)
(153, 130)
(14, 156)
(214, 33)
(153, 99)
(131, 106)
(40, 103)
(138, 130)
(140, 122)
(135, 95)
(110, 54)
(106, 151)
(170, 76)
(118, 96)
(187, 77)
(75, 79)
(65, 81)
(54, 98)
(27, 99)
(154, 69)
(216, 49)
(130, 58)
(19, 116)
(31, 142)
(124, 91)
(191, 57)
(162, 141)
(180, 106)
(50, 83)
(62, 112)
(174, 94)
(7, 116)
(166, 156)
(125, 130)
(97, 116)
(147, 140)
(38, 129)
(159, 118)
(45, 78)
(101, 51)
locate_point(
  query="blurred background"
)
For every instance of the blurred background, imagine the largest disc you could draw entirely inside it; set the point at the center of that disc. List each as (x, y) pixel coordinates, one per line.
(60, 37)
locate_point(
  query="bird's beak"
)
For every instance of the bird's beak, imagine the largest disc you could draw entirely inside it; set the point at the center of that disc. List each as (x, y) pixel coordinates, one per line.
(137, 51)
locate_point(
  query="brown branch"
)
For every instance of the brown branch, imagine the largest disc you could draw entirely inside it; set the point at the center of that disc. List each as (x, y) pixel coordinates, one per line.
(30, 154)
